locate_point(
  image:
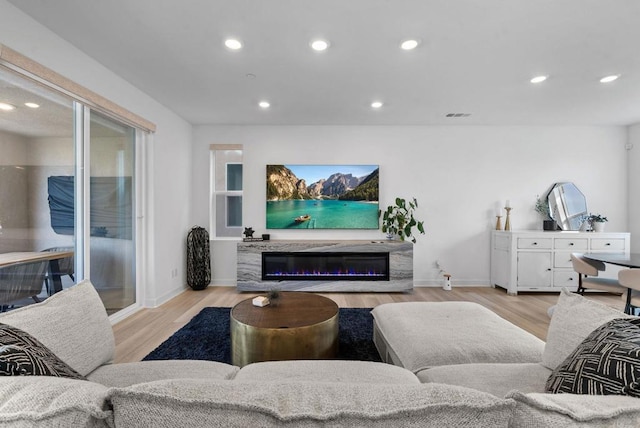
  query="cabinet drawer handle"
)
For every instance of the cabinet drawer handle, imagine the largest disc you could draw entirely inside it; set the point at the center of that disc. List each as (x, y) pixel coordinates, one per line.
(549, 270)
(571, 244)
(608, 244)
(534, 243)
(571, 279)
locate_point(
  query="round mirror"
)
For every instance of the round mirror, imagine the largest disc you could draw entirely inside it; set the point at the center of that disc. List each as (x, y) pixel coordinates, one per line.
(567, 206)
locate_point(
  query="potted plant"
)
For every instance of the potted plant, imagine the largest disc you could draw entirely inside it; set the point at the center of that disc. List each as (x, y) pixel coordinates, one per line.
(398, 220)
(542, 208)
(597, 222)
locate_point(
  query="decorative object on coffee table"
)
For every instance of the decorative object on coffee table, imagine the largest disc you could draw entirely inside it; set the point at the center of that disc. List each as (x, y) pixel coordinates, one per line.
(300, 326)
(274, 295)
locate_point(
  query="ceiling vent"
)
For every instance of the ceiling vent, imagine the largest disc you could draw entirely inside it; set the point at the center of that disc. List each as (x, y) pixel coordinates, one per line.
(458, 114)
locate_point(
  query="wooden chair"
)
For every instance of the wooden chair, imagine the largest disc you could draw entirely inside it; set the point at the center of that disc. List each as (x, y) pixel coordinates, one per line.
(20, 281)
(587, 276)
(630, 278)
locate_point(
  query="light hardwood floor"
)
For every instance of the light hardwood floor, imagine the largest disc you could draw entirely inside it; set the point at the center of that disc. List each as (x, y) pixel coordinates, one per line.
(142, 332)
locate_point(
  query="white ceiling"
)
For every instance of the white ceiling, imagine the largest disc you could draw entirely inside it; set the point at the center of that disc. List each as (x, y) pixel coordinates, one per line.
(476, 57)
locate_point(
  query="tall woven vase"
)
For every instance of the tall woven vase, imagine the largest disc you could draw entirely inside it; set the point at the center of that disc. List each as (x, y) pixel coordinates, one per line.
(198, 258)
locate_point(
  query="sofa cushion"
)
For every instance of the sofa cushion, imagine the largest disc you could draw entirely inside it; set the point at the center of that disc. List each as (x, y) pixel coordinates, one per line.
(72, 323)
(125, 374)
(429, 334)
(574, 318)
(23, 355)
(571, 410)
(497, 379)
(606, 362)
(45, 402)
(325, 371)
(197, 403)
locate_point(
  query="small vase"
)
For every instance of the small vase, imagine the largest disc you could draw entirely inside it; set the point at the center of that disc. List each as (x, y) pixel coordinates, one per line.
(391, 236)
(549, 225)
(598, 226)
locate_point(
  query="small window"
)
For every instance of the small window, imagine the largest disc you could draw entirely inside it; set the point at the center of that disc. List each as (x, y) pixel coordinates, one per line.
(234, 176)
(226, 191)
(234, 211)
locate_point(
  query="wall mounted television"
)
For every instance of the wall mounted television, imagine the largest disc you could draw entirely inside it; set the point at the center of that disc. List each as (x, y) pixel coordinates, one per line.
(322, 196)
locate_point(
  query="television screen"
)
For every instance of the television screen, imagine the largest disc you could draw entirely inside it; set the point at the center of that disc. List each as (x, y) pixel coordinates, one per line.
(322, 196)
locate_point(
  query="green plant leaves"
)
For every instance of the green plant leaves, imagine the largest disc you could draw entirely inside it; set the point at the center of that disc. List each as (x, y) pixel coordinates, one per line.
(399, 219)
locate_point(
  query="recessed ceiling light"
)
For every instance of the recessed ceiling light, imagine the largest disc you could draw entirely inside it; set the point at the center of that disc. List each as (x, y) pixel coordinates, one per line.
(264, 104)
(32, 105)
(409, 44)
(319, 45)
(6, 107)
(609, 79)
(539, 79)
(376, 104)
(233, 44)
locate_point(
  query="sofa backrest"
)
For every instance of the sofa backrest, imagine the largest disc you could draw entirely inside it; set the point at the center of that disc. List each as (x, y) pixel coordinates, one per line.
(200, 403)
(73, 324)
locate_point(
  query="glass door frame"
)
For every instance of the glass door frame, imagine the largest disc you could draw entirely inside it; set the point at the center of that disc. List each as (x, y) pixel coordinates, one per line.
(84, 102)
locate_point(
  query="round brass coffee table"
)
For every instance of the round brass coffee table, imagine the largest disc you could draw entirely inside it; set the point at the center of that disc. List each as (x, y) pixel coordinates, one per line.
(299, 326)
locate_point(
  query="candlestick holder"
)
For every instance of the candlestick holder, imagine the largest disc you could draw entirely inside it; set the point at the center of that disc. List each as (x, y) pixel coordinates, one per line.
(507, 222)
(498, 222)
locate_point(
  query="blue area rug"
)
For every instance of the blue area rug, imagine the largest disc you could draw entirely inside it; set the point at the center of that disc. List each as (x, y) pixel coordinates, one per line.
(207, 337)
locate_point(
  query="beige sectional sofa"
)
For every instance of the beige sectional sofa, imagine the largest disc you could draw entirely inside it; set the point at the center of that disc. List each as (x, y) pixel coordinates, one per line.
(465, 344)
(73, 325)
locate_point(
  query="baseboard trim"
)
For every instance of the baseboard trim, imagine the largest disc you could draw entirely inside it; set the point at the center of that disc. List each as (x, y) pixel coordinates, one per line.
(454, 283)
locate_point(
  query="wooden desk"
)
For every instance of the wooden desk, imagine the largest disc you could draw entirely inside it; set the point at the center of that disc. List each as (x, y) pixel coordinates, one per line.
(630, 260)
(8, 259)
(298, 326)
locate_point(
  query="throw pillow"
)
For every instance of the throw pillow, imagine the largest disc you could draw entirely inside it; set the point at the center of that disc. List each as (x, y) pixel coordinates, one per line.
(574, 317)
(23, 355)
(607, 362)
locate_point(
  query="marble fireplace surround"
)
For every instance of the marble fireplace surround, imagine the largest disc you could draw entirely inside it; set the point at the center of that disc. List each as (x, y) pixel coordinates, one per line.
(400, 265)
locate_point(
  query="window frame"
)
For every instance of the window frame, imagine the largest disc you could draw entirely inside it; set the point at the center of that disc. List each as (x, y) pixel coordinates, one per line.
(218, 204)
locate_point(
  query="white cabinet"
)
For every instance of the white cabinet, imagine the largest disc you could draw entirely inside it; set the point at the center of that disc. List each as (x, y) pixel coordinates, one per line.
(541, 261)
(534, 269)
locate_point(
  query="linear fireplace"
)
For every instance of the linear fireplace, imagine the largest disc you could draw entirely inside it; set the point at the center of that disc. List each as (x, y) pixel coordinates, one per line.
(323, 266)
(311, 265)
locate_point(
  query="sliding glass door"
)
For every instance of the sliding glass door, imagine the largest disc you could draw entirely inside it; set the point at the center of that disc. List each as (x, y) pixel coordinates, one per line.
(67, 182)
(111, 186)
(36, 142)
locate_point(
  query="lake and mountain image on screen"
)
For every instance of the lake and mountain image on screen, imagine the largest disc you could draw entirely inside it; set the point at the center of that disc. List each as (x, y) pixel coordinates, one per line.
(322, 197)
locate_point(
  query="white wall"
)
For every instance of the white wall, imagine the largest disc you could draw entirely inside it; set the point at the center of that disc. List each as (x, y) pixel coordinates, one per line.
(460, 176)
(168, 159)
(634, 186)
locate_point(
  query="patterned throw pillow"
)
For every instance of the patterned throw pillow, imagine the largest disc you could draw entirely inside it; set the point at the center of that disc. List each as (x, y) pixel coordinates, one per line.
(23, 355)
(607, 362)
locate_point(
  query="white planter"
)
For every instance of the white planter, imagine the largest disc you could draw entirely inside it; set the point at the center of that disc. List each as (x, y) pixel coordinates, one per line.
(598, 226)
